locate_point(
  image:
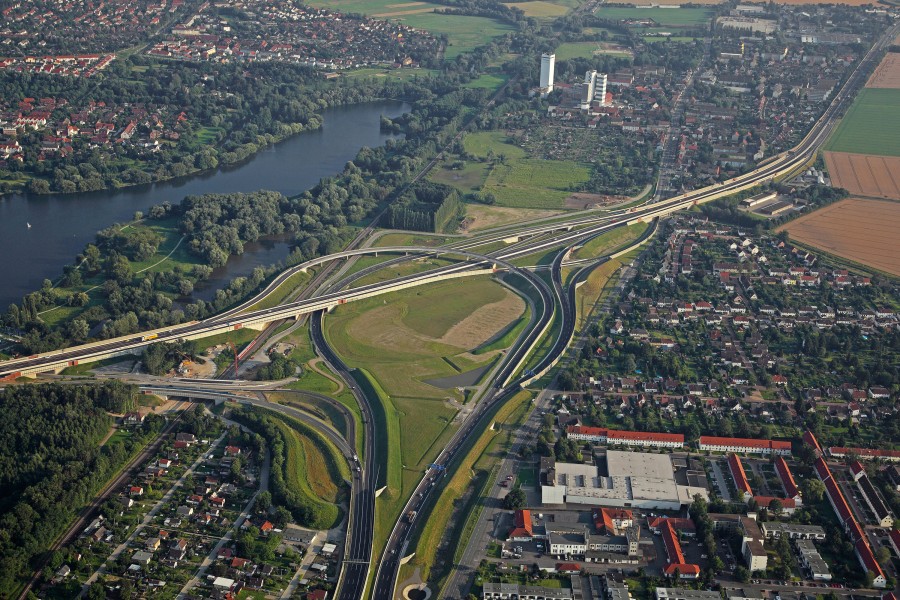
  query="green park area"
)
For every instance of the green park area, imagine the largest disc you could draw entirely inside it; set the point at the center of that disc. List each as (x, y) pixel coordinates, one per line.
(505, 171)
(464, 33)
(569, 50)
(669, 17)
(871, 126)
(415, 352)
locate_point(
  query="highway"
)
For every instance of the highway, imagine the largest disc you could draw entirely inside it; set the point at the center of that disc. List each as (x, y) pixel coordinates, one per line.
(566, 233)
(782, 165)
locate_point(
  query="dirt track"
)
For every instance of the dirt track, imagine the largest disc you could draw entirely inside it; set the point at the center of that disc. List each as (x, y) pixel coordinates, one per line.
(864, 231)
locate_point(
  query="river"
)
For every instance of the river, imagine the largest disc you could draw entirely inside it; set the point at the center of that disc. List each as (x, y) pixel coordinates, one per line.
(62, 224)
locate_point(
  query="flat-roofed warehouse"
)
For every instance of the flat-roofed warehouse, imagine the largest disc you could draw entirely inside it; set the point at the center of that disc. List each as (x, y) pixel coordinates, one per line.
(634, 479)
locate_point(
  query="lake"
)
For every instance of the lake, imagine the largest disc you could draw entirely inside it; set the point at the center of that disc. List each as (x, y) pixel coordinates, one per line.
(62, 224)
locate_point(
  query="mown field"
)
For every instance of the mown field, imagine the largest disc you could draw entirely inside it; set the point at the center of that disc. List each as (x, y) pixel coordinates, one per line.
(669, 17)
(463, 32)
(611, 240)
(568, 50)
(871, 126)
(506, 171)
(400, 341)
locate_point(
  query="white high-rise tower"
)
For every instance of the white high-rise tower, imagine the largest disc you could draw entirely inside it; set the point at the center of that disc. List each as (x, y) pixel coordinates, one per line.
(600, 88)
(548, 64)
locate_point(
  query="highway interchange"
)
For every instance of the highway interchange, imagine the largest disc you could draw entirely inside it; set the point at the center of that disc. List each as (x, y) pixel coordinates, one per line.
(556, 302)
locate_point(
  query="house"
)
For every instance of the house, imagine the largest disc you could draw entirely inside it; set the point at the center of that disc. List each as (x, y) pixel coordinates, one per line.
(232, 451)
(745, 445)
(135, 491)
(141, 558)
(522, 529)
(187, 438)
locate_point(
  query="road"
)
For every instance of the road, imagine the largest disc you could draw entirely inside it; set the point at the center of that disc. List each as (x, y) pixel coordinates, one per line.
(780, 165)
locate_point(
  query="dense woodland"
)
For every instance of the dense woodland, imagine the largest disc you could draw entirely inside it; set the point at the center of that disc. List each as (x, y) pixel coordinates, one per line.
(426, 206)
(51, 463)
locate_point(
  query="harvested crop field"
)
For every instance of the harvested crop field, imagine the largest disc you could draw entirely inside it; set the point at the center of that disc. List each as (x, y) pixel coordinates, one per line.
(887, 75)
(863, 231)
(865, 174)
(808, 2)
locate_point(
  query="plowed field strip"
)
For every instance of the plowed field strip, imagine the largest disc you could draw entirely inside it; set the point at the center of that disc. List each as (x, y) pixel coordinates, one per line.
(865, 174)
(863, 231)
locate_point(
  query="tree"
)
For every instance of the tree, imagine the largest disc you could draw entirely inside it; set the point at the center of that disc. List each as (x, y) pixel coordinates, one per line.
(96, 591)
(883, 555)
(515, 499)
(742, 574)
(264, 501)
(813, 490)
(776, 506)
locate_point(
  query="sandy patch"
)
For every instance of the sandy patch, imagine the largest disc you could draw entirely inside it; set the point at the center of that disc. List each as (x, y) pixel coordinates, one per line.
(485, 323)
(865, 174)
(480, 216)
(864, 231)
(581, 200)
(400, 13)
(383, 327)
(887, 74)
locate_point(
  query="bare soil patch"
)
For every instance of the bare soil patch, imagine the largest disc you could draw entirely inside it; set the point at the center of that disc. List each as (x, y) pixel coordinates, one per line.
(485, 323)
(865, 174)
(864, 231)
(887, 74)
(581, 200)
(383, 327)
(479, 216)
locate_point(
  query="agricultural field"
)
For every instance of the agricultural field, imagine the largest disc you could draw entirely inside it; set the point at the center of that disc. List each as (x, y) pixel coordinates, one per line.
(865, 174)
(667, 17)
(887, 74)
(810, 2)
(871, 126)
(570, 50)
(463, 32)
(539, 9)
(863, 231)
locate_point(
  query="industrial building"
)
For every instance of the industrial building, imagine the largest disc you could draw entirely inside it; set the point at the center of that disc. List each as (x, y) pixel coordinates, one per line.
(505, 591)
(633, 480)
(683, 594)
